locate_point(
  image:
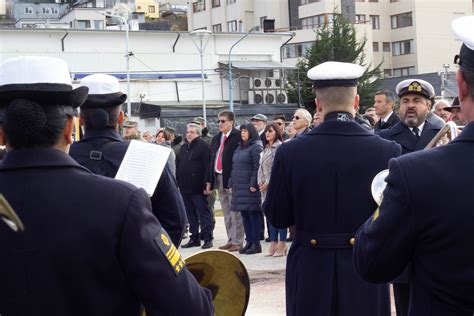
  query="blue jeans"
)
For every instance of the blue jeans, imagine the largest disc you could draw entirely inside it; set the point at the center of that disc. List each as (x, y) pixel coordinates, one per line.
(199, 214)
(274, 232)
(252, 226)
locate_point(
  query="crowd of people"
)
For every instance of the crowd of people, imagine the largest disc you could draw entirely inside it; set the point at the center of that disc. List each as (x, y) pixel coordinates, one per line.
(95, 245)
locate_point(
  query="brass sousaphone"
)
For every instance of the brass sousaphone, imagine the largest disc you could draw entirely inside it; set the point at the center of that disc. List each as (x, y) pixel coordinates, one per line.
(225, 276)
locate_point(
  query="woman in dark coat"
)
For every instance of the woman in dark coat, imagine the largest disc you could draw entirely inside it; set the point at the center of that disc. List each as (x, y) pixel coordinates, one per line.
(243, 180)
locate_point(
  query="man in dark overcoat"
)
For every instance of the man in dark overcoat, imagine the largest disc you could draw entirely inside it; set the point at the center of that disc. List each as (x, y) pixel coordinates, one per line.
(222, 150)
(191, 173)
(339, 154)
(101, 150)
(413, 132)
(415, 225)
(384, 102)
(91, 245)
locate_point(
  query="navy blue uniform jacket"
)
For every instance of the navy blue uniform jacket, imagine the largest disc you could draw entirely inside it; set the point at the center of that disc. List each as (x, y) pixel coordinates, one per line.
(405, 137)
(166, 201)
(320, 182)
(426, 217)
(88, 247)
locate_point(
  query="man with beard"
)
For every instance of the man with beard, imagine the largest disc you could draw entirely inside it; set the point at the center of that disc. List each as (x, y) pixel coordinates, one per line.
(456, 114)
(413, 133)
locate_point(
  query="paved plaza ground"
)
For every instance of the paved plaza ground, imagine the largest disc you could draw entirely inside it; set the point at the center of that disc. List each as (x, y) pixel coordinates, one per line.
(267, 276)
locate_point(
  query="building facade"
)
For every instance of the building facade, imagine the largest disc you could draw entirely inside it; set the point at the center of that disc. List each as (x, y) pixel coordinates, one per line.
(405, 36)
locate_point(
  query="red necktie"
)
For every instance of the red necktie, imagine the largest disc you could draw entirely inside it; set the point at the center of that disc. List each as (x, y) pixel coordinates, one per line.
(219, 156)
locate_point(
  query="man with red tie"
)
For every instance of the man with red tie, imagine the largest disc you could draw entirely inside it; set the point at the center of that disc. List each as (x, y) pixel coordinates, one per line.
(222, 150)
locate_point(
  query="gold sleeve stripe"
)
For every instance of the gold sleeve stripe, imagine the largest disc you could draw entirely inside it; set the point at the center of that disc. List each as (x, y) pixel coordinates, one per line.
(175, 258)
(171, 252)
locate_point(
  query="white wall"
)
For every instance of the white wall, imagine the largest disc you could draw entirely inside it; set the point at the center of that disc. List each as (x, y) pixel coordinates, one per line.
(103, 51)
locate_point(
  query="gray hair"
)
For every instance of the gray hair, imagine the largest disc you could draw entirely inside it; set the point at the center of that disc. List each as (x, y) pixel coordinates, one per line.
(306, 116)
(196, 127)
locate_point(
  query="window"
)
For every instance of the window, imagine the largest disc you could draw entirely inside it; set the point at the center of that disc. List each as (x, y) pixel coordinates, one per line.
(29, 10)
(375, 21)
(391, 1)
(232, 26)
(216, 3)
(402, 48)
(386, 47)
(387, 73)
(360, 1)
(151, 9)
(199, 6)
(302, 2)
(401, 20)
(83, 24)
(315, 21)
(373, 0)
(46, 10)
(375, 46)
(360, 18)
(55, 10)
(406, 71)
(217, 28)
(231, 1)
(98, 24)
(296, 50)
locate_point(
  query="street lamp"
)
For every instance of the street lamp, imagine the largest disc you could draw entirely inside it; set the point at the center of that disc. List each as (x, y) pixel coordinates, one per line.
(203, 38)
(229, 64)
(128, 53)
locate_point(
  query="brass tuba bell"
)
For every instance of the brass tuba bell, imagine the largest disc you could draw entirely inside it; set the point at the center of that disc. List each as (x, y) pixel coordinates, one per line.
(225, 276)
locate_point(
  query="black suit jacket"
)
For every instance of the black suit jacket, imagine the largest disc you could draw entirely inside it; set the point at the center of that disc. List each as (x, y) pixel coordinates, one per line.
(404, 136)
(91, 245)
(230, 145)
(392, 120)
(193, 167)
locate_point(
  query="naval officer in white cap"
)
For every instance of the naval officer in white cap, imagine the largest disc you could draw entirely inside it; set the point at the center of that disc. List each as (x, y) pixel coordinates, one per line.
(336, 161)
(101, 150)
(414, 225)
(91, 245)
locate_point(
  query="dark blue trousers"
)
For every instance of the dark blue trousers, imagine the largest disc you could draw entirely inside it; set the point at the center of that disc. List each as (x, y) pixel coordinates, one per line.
(252, 223)
(199, 214)
(274, 232)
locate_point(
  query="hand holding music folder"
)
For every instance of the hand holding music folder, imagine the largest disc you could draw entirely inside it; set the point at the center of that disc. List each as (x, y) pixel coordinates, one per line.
(8, 215)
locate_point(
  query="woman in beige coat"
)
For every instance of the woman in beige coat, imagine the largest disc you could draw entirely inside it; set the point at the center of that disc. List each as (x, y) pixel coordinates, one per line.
(274, 140)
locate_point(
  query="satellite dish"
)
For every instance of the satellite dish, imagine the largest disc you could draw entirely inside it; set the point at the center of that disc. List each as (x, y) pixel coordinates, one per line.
(121, 10)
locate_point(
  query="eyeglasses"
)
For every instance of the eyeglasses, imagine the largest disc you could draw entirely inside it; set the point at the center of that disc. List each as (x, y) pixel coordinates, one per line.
(221, 121)
(296, 117)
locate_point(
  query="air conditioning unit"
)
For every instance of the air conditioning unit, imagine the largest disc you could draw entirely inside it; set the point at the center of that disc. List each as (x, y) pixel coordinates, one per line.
(281, 97)
(256, 97)
(257, 83)
(273, 83)
(269, 97)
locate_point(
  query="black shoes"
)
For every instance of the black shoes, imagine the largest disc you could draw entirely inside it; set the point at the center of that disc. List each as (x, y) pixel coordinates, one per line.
(253, 249)
(268, 239)
(243, 250)
(192, 243)
(207, 244)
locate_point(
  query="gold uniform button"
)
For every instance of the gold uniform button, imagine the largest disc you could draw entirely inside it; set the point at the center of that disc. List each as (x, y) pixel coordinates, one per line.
(352, 241)
(313, 242)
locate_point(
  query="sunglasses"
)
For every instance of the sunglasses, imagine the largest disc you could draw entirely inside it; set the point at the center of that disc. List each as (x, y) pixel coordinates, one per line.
(296, 117)
(221, 121)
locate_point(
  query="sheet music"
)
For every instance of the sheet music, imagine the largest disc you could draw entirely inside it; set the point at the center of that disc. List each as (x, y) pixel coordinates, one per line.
(143, 164)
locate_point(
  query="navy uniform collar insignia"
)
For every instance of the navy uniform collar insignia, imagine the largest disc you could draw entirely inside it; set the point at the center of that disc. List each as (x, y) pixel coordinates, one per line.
(339, 116)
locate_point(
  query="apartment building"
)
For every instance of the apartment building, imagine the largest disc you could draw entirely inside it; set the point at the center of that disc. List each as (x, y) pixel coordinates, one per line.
(406, 36)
